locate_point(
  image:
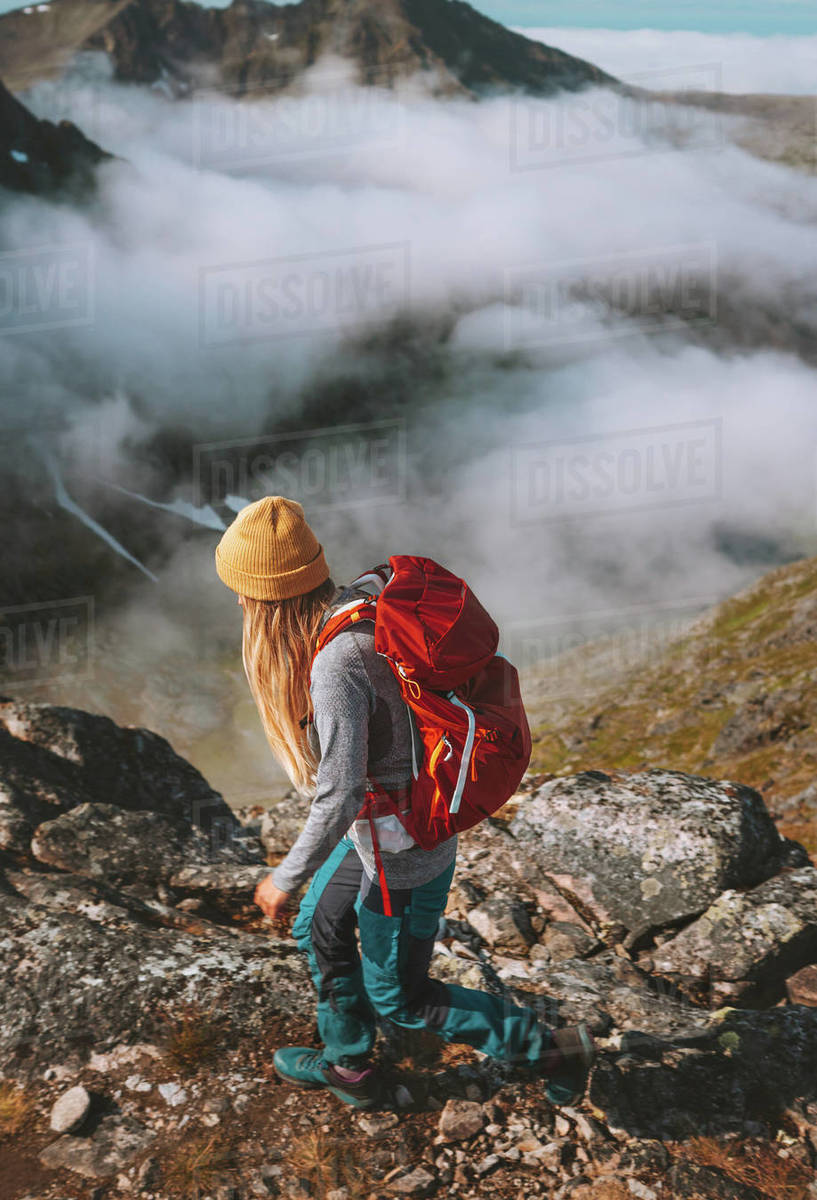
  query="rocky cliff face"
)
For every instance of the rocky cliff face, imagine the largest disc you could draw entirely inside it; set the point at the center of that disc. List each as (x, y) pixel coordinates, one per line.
(255, 47)
(41, 157)
(141, 994)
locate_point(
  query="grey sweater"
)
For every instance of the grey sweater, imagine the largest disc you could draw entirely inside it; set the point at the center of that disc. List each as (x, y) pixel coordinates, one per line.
(362, 727)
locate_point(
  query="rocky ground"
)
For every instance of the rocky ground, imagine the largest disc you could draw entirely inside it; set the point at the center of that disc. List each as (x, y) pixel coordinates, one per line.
(142, 995)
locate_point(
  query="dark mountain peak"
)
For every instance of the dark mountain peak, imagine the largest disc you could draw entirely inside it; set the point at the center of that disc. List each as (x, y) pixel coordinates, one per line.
(254, 46)
(41, 157)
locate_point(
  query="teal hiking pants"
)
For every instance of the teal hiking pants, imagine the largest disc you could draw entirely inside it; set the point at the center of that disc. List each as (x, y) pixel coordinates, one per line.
(387, 979)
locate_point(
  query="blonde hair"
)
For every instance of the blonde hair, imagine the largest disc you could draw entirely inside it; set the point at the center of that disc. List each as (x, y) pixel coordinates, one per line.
(278, 643)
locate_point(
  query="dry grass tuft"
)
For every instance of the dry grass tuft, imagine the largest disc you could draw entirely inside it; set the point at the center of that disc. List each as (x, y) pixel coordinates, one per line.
(324, 1163)
(195, 1164)
(192, 1040)
(15, 1108)
(753, 1165)
(603, 1188)
(611, 1189)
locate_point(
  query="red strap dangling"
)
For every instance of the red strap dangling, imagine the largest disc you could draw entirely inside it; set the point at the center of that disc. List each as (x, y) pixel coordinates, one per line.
(381, 874)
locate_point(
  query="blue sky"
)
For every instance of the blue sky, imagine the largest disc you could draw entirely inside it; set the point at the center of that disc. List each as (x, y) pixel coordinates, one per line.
(722, 16)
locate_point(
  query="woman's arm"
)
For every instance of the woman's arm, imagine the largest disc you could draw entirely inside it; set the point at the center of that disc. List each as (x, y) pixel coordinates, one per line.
(343, 700)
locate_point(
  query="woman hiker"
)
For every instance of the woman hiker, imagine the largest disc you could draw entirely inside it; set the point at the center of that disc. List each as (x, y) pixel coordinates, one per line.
(271, 558)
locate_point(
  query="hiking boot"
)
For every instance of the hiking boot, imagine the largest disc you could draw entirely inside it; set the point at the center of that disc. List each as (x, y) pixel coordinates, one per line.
(308, 1068)
(567, 1063)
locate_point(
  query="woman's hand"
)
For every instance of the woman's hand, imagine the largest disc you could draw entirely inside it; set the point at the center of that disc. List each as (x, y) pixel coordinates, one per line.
(270, 899)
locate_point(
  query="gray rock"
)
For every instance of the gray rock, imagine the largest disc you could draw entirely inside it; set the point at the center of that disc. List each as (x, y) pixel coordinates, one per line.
(461, 1119)
(105, 842)
(761, 720)
(588, 1129)
(801, 987)
(503, 923)
(608, 990)
(116, 1142)
(68, 980)
(281, 825)
(376, 1124)
(487, 1164)
(136, 1083)
(149, 1174)
(99, 901)
(70, 1110)
(418, 1182)
(34, 786)
(173, 1094)
(225, 881)
(75, 751)
(564, 940)
(637, 851)
(690, 1180)
(746, 943)
(748, 1064)
(402, 1096)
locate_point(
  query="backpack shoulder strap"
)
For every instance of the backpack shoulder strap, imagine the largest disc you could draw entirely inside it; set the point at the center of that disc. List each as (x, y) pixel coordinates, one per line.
(342, 618)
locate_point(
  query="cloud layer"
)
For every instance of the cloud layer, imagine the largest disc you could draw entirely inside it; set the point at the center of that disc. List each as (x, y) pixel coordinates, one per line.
(564, 346)
(732, 62)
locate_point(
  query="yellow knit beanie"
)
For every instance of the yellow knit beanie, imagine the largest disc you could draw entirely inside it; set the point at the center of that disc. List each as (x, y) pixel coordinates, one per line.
(270, 553)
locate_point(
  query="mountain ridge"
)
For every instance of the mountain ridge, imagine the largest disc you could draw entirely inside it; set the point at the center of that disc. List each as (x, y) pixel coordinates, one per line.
(40, 157)
(253, 46)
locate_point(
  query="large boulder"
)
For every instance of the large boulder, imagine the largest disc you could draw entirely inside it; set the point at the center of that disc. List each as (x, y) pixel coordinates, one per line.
(95, 820)
(750, 1066)
(503, 922)
(101, 901)
(106, 842)
(82, 980)
(224, 882)
(34, 786)
(609, 991)
(638, 851)
(53, 759)
(746, 943)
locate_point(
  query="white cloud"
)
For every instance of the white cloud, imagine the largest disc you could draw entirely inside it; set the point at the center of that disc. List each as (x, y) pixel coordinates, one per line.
(436, 179)
(735, 62)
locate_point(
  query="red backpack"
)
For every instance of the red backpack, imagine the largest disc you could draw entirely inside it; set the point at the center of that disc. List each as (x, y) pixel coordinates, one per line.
(475, 742)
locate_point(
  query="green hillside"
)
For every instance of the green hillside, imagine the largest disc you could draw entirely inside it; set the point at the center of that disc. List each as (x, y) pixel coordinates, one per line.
(733, 696)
